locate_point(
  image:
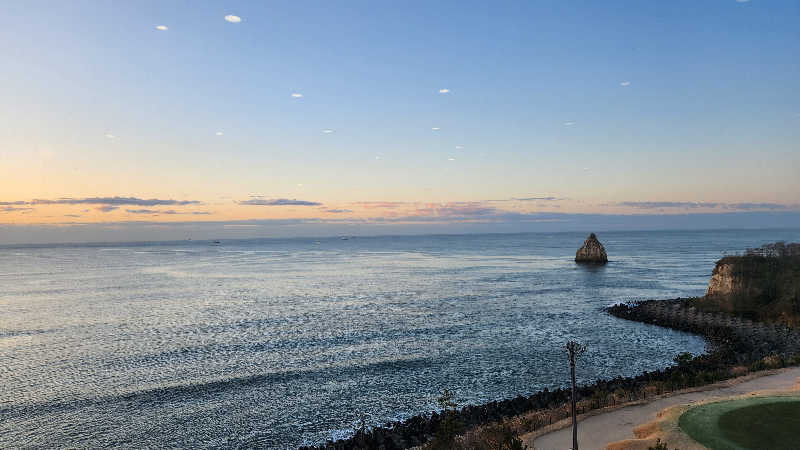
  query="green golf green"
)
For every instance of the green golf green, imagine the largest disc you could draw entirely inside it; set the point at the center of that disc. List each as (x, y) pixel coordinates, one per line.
(752, 423)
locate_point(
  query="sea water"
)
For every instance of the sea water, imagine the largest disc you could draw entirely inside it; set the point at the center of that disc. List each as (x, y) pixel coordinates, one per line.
(275, 343)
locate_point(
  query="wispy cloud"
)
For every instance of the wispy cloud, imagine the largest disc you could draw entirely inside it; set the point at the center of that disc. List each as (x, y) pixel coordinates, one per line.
(625, 83)
(336, 211)
(168, 212)
(752, 206)
(569, 124)
(233, 19)
(741, 206)
(116, 201)
(435, 128)
(380, 205)
(278, 202)
(107, 208)
(150, 211)
(454, 209)
(529, 199)
(327, 131)
(659, 205)
(8, 209)
(415, 212)
(536, 199)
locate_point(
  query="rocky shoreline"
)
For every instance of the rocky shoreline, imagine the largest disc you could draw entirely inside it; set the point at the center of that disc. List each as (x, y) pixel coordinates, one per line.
(736, 346)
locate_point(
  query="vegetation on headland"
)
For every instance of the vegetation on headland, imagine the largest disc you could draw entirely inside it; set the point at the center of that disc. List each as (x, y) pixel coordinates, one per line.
(765, 285)
(659, 446)
(738, 345)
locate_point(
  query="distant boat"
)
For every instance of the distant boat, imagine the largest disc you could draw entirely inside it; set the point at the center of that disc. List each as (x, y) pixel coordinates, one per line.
(344, 238)
(217, 242)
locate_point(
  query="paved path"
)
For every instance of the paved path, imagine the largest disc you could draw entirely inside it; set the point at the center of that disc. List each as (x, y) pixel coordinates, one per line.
(597, 431)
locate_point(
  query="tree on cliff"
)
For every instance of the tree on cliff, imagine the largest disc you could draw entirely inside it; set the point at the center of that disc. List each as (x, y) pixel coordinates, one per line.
(762, 284)
(449, 425)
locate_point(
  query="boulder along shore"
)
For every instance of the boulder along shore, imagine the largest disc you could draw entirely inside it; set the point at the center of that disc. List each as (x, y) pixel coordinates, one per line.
(736, 346)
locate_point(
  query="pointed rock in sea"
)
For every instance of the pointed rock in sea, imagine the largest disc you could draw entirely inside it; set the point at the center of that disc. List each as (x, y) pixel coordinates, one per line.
(592, 251)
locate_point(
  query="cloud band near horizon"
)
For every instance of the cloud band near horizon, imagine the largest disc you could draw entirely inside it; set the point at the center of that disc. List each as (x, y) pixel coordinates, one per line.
(743, 206)
(278, 202)
(115, 201)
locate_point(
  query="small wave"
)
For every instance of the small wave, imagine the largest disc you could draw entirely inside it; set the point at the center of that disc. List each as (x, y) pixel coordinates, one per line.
(17, 333)
(192, 391)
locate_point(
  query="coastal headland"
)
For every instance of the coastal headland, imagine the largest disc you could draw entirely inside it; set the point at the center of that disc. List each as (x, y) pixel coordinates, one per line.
(738, 345)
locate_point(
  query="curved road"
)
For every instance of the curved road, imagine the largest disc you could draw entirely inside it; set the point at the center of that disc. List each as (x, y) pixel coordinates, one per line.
(597, 431)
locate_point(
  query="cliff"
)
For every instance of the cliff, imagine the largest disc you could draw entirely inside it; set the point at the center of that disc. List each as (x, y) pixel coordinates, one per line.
(728, 278)
(762, 284)
(592, 251)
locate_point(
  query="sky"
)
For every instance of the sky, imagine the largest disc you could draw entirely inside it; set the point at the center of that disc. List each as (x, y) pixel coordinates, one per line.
(147, 120)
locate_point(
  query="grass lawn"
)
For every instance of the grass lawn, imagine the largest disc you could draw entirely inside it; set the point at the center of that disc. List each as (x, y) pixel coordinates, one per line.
(751, 423)
(769, 425)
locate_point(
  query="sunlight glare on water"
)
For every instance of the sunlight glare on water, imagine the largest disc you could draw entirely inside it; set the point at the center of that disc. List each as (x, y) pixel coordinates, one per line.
(278, 343)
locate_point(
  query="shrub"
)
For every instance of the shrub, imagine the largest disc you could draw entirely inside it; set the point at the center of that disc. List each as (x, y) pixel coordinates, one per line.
(449, 426)
(767, 285)
(500, 436)
(659, 445)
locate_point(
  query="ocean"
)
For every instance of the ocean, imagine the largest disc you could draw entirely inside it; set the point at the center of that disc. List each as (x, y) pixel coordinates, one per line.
(276, 343)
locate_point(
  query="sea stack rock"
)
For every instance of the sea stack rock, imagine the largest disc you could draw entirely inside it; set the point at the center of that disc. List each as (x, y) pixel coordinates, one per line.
(591, 252)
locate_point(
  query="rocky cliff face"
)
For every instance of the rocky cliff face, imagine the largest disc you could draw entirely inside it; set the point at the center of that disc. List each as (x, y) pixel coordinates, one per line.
(762, 284)
(592, 251)
(732, 277)
(722, 282)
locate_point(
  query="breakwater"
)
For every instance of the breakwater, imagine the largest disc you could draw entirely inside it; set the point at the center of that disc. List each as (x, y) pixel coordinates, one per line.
(736, 346)
(749, 339)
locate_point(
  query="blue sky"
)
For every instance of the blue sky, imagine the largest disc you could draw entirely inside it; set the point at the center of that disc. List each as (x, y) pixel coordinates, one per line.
(598, 105)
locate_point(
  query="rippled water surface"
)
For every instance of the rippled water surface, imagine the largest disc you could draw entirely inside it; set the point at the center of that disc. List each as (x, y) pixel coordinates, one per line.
(277, 343)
